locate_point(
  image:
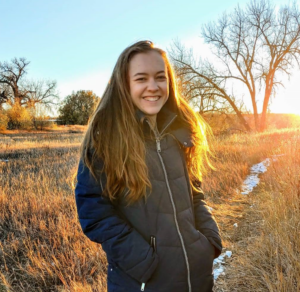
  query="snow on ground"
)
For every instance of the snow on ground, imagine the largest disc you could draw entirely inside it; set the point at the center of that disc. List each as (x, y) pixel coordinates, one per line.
(218, 268)
(251, 181)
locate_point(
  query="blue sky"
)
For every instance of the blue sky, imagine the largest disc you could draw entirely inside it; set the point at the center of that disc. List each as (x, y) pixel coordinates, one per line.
(78, 42)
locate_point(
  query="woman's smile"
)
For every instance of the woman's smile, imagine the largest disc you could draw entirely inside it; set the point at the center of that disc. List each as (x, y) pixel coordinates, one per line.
(151, 98)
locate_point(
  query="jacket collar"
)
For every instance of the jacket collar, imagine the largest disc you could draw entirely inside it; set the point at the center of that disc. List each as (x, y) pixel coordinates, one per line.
(168, 118)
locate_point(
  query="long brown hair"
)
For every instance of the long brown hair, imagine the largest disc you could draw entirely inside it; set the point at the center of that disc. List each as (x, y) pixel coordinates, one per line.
(115, 135)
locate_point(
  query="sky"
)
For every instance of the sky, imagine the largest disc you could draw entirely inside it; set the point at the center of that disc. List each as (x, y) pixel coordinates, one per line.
(78, 42)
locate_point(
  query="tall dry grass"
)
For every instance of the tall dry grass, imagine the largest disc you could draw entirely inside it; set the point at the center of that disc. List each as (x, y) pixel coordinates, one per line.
(42, 247)
(41, 243)
(269, 261)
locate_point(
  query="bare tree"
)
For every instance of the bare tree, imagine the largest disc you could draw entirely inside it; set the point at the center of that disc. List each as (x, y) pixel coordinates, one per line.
(255, 47)
(10, 76)
(41, 92)
(279, 46)
(200, 83)
(15, 89)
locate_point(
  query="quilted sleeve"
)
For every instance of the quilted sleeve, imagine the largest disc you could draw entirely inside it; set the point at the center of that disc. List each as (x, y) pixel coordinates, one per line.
(101, 223)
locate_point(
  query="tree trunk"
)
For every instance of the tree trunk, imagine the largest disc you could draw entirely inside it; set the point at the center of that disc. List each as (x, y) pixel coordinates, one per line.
(255, 114)
(268, 91)
(263, 120)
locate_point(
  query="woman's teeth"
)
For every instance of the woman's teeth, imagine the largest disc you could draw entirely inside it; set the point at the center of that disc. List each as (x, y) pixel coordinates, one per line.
(151, 98)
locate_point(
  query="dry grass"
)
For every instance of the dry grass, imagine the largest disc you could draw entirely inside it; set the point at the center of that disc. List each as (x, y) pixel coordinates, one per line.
(268, 248)
(41, 243)
(42, 247)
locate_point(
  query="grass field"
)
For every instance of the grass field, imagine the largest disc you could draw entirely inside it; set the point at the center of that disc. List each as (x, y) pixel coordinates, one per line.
(267, 243)
(42, 247)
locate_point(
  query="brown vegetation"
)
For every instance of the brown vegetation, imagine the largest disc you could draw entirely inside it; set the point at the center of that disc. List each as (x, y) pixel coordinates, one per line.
(42, 247)
(267, 243)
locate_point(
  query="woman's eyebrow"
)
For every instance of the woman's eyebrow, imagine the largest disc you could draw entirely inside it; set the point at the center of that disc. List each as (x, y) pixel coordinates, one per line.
(140, 73)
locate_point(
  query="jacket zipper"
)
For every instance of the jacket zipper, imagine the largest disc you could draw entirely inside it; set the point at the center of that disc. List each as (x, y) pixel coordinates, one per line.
(153, 244)
(158, 148)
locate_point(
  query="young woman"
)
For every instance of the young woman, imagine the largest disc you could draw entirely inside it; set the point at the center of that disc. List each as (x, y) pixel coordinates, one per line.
(138, 192)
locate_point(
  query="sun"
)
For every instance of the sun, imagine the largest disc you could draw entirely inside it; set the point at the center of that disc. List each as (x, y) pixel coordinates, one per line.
(287, 99)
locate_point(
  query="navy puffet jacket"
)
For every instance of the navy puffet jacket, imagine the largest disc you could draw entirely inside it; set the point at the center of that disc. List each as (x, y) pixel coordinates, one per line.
(166, 243)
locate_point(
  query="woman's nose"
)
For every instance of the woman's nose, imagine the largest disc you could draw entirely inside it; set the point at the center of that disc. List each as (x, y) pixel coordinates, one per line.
(152, 85)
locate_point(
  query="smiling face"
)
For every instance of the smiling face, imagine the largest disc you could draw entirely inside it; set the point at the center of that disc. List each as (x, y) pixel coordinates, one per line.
(148, 82)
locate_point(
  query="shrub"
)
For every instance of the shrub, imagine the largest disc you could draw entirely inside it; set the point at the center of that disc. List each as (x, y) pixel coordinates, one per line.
(78, 107)
(19, 117)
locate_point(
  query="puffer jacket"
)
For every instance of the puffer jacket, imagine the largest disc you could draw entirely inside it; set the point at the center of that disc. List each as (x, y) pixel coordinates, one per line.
(165, 243)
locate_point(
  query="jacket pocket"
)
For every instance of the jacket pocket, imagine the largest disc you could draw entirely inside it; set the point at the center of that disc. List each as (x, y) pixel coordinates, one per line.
(212, 248)
(153, 245)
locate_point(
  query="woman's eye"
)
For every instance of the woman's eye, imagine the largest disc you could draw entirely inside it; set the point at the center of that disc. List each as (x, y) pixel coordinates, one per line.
(140, 79)
(162, 77)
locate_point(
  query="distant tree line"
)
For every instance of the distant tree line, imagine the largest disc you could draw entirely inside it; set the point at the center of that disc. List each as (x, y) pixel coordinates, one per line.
(26, 104)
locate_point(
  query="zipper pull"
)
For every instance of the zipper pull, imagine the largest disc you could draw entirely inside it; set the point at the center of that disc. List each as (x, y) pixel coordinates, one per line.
(152, 242)
(143, 287)
(158, 145)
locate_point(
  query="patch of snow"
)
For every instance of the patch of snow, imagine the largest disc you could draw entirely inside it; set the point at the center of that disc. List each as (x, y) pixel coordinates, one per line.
(252, 180)
(218, 272)
(218, 268)
(235, 225)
